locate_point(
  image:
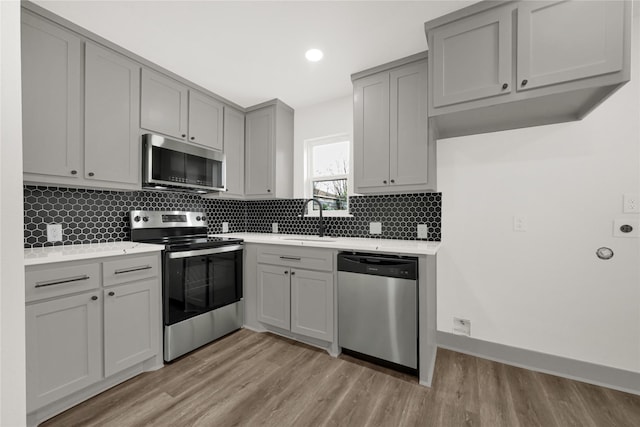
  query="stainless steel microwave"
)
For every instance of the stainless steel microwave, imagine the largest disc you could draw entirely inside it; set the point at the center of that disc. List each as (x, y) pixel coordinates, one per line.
(175, 165)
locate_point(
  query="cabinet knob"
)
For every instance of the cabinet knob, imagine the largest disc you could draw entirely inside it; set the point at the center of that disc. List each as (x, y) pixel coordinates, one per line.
(193, 137)
(93, 298)
(184, 135)
(268, 190)
(74, 172)
(393, 180)
(524, 82)
(111, 293)
(286, 272)
(504, 86)
(293, 273)
(384, 182)
(90, 174)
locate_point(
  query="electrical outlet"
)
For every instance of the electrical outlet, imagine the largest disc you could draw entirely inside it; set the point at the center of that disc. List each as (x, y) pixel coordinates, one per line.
(631, 203)
(54, 232)
(225, 227)
(423, 231)
(519, 223)
(462, 326)
(375, 228)
(274, 227)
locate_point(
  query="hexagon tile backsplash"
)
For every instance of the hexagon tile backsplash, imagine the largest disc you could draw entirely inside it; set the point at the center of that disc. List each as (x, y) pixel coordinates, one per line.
(92, 216)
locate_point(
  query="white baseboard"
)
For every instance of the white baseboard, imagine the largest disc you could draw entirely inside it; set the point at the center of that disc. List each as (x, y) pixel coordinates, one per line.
(605, 376)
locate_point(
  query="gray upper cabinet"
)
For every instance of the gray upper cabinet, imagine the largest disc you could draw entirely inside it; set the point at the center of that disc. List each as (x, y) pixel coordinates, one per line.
(51, 96)
(234, 152)
(532, 62)
(171, 108)
(56, 150)
(164, 105)
(550, 53)
(269, 151)
(112, 88)
(472, 58)
(392, 149)
(205, 120)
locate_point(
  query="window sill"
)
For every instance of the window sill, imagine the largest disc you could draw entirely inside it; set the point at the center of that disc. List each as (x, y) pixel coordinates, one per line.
(330, 214)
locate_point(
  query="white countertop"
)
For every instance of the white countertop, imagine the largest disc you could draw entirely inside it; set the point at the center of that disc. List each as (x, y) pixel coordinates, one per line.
(405, 247)
(50, 254)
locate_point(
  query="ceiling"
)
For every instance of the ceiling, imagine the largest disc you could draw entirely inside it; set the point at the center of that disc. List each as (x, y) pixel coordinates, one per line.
(253, 51)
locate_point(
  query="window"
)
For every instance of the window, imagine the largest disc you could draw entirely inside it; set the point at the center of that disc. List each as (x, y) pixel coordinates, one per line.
(328, 174)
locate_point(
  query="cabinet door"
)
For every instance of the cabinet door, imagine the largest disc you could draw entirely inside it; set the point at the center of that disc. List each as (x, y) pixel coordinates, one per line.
(260, 138)
(234, 151)
(164, 105)
(274, 298)
(63, 347)
(131, 323)
(560, 41)
(205, 120)
(408, 154)
(50, 99)
(472, 58)
(371, 131)
(312, 304)
(112, 113)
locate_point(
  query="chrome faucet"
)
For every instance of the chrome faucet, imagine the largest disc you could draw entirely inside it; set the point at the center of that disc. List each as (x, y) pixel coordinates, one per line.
(321, 227)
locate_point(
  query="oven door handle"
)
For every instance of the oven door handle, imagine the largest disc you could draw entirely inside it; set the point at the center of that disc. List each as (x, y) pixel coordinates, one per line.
(198, 252)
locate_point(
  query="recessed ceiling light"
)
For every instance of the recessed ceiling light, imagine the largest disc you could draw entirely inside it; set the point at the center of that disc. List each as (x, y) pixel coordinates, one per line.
(314, 55)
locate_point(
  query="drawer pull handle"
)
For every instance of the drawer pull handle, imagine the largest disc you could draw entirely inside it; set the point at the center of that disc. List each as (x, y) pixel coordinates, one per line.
(292, 258)
(131, 270)
(60, 282)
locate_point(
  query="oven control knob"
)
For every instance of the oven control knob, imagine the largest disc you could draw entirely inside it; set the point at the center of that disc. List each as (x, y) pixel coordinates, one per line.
(204, 218)
(136, 218)
(198, 218)
(145, 218)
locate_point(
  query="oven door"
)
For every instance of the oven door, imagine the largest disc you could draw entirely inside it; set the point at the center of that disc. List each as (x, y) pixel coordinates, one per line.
(201, 280)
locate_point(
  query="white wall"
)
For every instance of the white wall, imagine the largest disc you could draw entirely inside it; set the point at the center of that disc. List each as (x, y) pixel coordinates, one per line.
(545, 289)
(12, 353)
(328, 118)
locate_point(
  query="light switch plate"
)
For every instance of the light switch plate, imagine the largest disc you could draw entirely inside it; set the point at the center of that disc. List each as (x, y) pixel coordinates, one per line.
(225, 227)
(631, 203)
(274, 227)
(519, 223)
(375, 228)
(423, 231)
(54, 232)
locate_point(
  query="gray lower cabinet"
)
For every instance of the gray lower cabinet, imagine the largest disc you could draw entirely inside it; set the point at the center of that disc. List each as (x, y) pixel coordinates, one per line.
(533, 62)
(51, 96)
(295, 290)
(130, 321)
(171, 108)
(269, 151)
(112, 111)
(63, 347)
(391, 140)
(88, 322)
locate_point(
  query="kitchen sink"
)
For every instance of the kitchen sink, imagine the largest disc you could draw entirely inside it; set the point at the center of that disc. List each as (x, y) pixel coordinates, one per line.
(309, 239)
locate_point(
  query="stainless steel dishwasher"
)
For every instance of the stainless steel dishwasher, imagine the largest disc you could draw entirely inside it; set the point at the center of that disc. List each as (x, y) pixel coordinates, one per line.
(378, 307)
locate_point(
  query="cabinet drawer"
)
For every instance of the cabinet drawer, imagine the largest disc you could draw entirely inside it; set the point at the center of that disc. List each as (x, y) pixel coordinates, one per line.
(311, 258)
(48, 282)
(128, 269)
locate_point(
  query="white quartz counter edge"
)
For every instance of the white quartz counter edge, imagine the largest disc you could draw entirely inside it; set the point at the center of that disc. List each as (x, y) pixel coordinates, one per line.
(51, 254)
(405, 247)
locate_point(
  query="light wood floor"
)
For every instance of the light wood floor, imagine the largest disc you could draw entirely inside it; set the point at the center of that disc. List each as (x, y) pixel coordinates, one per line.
(251, 379)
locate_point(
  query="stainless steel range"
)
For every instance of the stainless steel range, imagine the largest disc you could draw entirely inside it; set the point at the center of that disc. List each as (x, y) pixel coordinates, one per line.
(202, 278)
